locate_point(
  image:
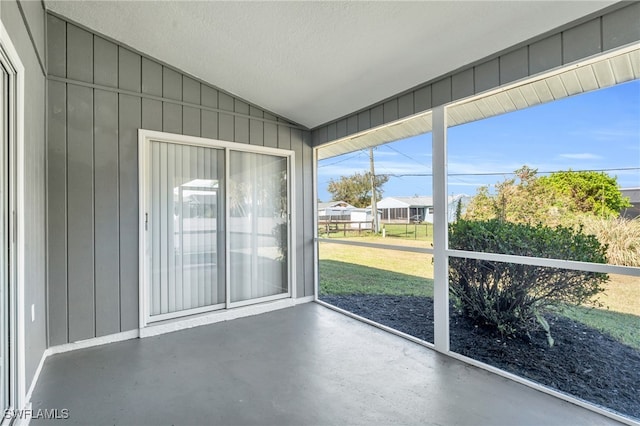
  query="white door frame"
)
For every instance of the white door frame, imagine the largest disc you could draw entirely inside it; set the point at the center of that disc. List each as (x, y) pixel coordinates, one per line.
(12, 63)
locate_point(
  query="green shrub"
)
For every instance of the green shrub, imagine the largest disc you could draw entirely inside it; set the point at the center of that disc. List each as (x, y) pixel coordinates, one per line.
(511, 297)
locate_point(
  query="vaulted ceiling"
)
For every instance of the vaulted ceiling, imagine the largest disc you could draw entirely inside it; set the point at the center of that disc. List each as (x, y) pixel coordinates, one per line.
(313, 62)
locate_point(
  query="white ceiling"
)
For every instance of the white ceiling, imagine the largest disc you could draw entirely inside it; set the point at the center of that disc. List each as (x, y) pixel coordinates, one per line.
(313, 62)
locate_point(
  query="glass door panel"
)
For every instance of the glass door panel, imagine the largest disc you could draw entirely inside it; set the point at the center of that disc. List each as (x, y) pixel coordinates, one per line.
(187, 228)
(258, 225)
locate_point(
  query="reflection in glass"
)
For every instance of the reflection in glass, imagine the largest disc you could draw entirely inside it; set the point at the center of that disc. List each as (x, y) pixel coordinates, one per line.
(186, 227)
(258, 230)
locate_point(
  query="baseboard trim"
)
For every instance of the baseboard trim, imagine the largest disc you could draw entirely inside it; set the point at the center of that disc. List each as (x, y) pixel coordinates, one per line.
(170, 326)
(96, 341)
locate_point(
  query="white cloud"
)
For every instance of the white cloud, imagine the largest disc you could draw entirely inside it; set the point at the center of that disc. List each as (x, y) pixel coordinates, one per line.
(581, 156)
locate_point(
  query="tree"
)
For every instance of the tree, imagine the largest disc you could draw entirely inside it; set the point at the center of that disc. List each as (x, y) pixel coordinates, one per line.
(590, 192)
(521, 199)
(356, 189)
(557, 199)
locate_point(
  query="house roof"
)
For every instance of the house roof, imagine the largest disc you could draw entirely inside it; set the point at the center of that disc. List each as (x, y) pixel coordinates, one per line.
(415, 201)
(313, 62)
(330, 204)
(632, 193)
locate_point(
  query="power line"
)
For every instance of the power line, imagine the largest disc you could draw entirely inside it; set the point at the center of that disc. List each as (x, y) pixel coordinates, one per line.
(513, 173)
(343, 160)
(405, 155)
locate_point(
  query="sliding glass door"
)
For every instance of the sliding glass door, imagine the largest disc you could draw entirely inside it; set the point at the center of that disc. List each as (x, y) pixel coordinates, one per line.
(258, 229)
(186, 233)
(216, 228)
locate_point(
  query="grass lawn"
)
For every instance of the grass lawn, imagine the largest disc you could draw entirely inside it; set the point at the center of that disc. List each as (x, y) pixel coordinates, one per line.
(362, 270)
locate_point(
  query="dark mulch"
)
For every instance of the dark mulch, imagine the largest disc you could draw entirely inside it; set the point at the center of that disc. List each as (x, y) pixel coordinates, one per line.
(583, 362)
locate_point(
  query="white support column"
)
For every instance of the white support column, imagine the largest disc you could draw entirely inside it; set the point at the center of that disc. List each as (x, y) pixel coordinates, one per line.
(440, 222)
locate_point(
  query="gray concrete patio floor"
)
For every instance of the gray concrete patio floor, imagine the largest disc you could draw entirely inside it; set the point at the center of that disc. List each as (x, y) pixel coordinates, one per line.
(306, 365)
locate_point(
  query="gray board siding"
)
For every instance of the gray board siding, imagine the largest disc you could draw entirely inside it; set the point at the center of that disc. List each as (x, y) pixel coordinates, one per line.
(99, 95)
(24, 23)
(613, 29)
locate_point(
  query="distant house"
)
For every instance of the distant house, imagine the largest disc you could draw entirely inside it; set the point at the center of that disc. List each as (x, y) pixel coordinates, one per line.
(335, 210)
(340, 211)
(634, 198)
(416, 208)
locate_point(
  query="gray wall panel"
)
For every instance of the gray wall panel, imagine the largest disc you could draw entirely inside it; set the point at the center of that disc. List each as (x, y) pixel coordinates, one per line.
(377, 115)
(621, 27)
(514, 65)
(284, 137)
(331, 131)
(582, 41)
(79, 54)
(545, 54)
(105, 62)
(107, 227)
(56, 46)
(101, 282)
(151, 114)
(209, 124)
(270, 135)
(487, 75)
(256, 132)
(190, 90)
(405, 105)
(390, 110)
(241, 132)
(462, 84)
(225, 102)
(422, 98)
(57, 212)
(129, 70)
(151, 77)
(129, 122)
(209, 96)
(171, 117)
(225, 126)
(256, 127)
(441, 91)
(352, 124)
(364, 121)
(191, 121)
(80, 217)
(171, 84)
(341, 128)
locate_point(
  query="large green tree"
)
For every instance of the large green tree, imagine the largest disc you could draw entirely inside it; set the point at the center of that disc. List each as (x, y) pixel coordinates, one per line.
(356, 189)
(590, 192)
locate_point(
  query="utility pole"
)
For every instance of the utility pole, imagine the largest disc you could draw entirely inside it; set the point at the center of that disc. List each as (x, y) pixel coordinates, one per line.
(374, 202)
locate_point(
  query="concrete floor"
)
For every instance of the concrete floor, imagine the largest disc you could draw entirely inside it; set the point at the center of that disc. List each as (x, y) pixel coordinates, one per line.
(306, 365)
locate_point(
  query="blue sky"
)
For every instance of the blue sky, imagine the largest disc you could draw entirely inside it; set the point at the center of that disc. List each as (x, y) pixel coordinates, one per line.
(592, 131)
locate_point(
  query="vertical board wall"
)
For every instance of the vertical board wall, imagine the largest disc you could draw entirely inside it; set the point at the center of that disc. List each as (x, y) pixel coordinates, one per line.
(99, 95)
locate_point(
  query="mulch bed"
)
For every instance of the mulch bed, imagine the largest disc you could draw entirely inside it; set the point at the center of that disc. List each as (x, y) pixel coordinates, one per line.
(583, 362)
